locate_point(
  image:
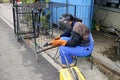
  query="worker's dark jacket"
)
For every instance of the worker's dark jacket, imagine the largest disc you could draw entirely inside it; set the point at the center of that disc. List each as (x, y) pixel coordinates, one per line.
(79, 35)
(63, 23)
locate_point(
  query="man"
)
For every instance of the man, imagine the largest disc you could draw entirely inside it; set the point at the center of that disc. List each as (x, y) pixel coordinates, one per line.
(75, 41)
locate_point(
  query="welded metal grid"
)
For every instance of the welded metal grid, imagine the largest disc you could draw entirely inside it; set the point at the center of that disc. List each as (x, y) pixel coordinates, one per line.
(23, 21)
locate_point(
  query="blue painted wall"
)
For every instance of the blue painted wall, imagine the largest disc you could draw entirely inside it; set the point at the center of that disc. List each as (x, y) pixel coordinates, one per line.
(83, 10)
(79, 2)
(60, 1)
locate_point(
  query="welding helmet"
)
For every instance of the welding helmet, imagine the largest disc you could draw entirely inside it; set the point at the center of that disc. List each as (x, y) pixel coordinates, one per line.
(64, 21)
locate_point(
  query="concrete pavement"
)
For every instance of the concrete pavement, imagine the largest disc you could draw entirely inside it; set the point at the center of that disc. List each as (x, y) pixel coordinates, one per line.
(6, 13)
(18, 62)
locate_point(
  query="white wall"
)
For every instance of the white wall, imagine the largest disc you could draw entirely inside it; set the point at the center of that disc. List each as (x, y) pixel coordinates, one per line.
(109, 18)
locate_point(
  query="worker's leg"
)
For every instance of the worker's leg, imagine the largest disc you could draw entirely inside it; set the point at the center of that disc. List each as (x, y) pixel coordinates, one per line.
(65, 54)
(74, 51)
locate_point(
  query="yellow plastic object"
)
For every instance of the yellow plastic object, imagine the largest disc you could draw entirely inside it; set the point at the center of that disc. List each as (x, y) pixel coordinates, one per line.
(66, 74)
(97, 27)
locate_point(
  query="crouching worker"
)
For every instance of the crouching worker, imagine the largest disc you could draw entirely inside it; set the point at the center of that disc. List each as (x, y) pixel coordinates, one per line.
(75, 41)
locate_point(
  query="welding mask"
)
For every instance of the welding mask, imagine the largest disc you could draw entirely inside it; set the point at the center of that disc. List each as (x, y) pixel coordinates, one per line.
(64, 21)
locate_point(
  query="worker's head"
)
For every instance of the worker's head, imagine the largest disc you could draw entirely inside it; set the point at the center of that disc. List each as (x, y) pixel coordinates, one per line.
(65, 21)
(68, 17)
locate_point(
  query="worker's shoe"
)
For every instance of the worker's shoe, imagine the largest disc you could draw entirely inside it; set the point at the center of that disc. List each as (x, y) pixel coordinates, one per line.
(65, 65)
(72, 64)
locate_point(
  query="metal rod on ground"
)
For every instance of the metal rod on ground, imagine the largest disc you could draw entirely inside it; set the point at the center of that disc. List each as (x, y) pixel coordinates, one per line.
(45, 49)
(42, 51)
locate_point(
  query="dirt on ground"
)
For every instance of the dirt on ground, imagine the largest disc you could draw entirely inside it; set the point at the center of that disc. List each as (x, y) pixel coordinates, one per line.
(111, 53)
(105, 44)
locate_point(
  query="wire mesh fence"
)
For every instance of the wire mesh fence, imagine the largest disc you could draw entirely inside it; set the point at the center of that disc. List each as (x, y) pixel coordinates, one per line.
(23, 21)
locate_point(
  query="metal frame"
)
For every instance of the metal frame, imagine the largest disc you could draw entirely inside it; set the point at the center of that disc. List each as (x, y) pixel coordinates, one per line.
(22, 21)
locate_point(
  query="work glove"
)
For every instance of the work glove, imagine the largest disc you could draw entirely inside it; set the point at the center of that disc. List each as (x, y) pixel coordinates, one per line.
(57, 38)
(56, 43)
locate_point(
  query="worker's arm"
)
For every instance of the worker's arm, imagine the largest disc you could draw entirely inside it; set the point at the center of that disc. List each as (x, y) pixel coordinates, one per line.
(71, 43)
(66, 34)
(75, 40)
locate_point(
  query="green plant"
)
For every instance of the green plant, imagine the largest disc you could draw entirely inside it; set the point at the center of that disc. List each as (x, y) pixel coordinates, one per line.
(28, 1)
(47, 0)
(44, 20)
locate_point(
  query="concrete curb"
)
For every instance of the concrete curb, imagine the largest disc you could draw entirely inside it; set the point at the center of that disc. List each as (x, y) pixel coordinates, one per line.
(107, 67)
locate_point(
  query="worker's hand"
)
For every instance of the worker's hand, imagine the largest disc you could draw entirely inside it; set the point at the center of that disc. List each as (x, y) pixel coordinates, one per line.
(57, 38)
(56, 43)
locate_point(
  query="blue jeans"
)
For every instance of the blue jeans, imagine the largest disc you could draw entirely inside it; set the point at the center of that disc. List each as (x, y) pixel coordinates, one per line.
(68, 52)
